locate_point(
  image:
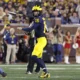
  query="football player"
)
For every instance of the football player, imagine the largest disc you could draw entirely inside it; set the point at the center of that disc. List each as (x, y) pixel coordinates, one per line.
(39, 26)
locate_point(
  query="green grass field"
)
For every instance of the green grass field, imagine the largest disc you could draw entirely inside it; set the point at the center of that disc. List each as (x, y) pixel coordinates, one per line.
(58, 72)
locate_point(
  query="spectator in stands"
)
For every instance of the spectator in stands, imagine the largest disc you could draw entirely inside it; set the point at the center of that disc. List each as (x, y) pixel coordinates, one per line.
(78, 9)
(11, 41)
(46, 15)
(6, 20)
(24, 11)
(8, 14)
(9, 5)
(44, 12)
(67, 46)
(57, 40)
(13, 20)
(54, 8)
(20, 1)
(20, 10)
(2, 13)
(64, 19)
(55, 14)
(74, 19)
(6, 1)
(19, 18)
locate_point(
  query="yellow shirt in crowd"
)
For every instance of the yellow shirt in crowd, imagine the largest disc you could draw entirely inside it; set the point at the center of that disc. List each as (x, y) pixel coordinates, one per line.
(21, 1)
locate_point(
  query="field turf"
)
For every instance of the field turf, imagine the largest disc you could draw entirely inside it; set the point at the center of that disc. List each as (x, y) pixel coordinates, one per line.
(57, 71)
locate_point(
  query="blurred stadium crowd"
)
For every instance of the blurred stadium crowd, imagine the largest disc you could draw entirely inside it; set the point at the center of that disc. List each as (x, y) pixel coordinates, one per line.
(14, 11)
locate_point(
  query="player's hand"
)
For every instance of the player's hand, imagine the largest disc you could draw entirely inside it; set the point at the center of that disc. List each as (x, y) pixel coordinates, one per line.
(20, 28)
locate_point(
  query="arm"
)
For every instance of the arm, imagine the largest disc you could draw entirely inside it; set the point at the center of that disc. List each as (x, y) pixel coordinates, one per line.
(50, 36)
(31, 26)
(5, 40)
(60, 32)
(2, 31)
(74, 39)
(35, 25)
(6, 37)
(28, 29)
(66, 38)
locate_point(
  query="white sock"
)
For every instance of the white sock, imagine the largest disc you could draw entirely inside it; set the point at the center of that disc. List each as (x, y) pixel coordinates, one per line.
(66, 59)
(77, 59)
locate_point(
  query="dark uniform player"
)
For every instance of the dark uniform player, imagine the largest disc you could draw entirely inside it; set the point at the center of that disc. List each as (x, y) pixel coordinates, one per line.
(40, 28)
(32, 42)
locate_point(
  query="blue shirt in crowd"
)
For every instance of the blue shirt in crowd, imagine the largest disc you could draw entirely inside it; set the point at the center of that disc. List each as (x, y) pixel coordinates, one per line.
(5, 34)
(64, 20)
(74, 20)
(11, 39)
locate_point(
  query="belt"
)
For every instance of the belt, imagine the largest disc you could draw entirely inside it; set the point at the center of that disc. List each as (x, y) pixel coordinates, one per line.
(12, 44)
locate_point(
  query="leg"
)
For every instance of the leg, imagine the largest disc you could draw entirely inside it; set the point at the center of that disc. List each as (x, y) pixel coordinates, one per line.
(31, 62)
(60, 52)
(66, 55)
(60, 56)
(8, 53)
(55, 49)
(30, 65)
(2, 73)
(40, 62)
(4, 53)
(37, 68)
(13, 58)
(78, 55)
(37, 55)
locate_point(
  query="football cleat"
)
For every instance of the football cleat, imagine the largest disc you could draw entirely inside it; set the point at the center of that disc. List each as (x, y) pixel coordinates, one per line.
(3, 74)
(29, 72)
(45, 75)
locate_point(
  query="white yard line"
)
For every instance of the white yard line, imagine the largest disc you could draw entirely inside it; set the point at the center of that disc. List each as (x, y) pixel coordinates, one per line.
(53, 77)
(46, 65)
(47, 68)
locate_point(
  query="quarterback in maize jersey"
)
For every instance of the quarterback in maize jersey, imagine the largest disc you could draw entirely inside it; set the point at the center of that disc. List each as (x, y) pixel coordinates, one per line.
(39, 26)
